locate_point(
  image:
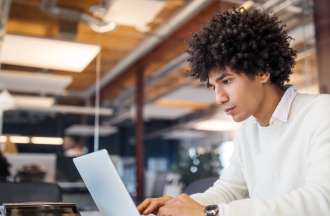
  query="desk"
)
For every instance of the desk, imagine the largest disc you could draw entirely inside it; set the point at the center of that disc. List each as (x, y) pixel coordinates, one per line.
(76, 192)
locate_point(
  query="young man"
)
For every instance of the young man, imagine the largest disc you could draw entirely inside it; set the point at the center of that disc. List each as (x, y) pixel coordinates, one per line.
(281, 164)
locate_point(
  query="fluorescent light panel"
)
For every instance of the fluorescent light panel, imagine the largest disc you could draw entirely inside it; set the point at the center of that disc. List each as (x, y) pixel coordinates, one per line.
(19, 139)
(47, 53)
(216, 125)
(193, 94)
(47, 140)
(32, 101)
(153, 111)
(88, 130)
(134, 13)
(34, 82)
(185, 134)
(34, 140)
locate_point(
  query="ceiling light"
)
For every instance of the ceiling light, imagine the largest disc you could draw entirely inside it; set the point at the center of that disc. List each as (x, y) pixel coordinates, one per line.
(190, 93)
(88, 130)
(47, 140)
(154, 111)
(216, 125)
(81, 110)
(19, 139)
(103, 28)
(134, 13)
(32, 101)
(28, 82)
(185, 134)
(47, 53)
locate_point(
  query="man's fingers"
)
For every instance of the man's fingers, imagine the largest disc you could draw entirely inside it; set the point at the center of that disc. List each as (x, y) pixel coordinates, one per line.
(143, 205)
(152, 207)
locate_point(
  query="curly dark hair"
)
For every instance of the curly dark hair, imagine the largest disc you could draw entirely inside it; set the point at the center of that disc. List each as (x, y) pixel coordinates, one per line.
(248, 42)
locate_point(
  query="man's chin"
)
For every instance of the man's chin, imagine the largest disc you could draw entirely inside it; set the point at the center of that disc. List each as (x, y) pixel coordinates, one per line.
(238, 118)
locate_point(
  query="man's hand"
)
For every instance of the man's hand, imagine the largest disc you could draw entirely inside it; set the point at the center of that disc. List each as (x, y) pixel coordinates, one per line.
(182, 205)
(151, 205)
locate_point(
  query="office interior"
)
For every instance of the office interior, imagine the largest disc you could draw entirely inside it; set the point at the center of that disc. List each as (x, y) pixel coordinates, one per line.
(80, 76)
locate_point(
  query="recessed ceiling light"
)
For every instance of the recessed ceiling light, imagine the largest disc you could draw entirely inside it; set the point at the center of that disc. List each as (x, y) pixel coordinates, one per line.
(47, 53)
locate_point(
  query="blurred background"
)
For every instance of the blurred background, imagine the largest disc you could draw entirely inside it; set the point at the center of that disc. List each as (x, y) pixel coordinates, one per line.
(78, 76)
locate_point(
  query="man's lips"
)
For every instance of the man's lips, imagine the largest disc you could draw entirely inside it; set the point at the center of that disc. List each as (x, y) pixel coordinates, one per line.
(228, 110)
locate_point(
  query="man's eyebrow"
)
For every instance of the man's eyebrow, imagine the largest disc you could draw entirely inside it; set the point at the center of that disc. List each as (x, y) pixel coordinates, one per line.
(221, 77)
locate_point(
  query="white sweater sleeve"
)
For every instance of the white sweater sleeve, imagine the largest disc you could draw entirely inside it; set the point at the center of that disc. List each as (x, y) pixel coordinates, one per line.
(311, 199)
(231, 185)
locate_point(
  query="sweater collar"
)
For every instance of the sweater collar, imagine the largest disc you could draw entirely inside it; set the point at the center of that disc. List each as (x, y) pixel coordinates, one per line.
(282, 109)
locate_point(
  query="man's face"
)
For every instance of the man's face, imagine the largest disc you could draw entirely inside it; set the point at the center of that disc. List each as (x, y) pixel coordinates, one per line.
(239, 95)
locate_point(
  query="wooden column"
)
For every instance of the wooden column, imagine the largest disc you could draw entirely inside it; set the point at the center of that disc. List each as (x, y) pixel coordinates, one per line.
(139, 127)
(322, 36)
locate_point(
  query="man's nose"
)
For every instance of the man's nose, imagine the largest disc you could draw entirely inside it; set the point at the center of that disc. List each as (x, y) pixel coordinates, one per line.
(221, 97)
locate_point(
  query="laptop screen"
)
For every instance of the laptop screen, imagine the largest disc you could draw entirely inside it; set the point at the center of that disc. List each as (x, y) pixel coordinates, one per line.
(105, 185)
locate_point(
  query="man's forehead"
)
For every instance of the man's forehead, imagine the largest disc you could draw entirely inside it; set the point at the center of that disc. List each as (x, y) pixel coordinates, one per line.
(217, 73)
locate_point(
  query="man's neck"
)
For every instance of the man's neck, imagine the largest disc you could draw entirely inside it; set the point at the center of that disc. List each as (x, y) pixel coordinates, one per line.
(272, 97)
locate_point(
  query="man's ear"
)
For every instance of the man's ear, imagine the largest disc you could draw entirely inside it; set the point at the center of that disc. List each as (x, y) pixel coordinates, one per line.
(263, 77)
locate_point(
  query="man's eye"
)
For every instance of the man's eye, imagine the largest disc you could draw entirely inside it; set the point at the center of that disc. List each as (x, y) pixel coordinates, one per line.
(227, 81)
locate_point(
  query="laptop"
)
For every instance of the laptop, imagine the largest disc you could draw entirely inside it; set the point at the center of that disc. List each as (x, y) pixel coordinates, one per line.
(105, 185)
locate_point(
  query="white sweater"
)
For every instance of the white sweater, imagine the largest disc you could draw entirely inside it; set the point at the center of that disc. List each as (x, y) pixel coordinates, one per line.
(279, 170)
